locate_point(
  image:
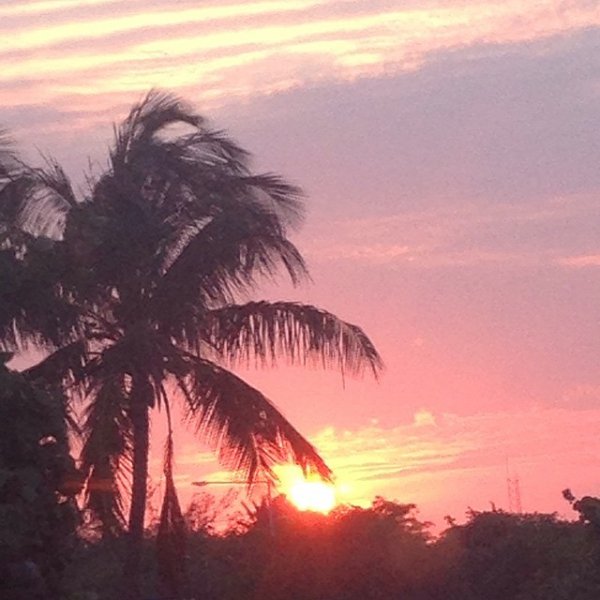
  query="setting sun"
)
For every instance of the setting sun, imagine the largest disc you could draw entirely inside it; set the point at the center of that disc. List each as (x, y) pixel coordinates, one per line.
(313, 495)
(305, 494)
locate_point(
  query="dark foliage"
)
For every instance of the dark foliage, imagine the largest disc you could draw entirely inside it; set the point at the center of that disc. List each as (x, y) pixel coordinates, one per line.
(497, 555)
(38, 480)
(383, 552)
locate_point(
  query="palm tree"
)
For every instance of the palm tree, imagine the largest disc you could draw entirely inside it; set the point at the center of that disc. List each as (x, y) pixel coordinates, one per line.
(143, 301)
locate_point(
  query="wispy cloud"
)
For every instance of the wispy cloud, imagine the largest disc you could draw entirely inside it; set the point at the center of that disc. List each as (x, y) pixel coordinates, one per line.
(580, 262)
(533, 234)
(80, 49)
(582, 396)
(442, 463)
(48, 7)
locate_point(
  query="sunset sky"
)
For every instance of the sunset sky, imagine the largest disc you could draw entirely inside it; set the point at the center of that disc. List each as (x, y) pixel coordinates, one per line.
(450, 151)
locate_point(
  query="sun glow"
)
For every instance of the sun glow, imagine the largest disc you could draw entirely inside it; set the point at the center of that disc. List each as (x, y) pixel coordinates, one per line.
(317, 496)
(306, 493)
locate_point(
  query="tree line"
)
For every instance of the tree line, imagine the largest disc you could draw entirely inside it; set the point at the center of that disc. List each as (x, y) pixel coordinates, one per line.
(378, 553)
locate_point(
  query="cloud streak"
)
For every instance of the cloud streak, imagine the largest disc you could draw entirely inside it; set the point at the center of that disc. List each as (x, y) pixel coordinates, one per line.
(442, 465)
(68, 51)
(538, 233)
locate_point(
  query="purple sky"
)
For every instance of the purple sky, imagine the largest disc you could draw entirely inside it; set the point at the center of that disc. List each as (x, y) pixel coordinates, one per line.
(450, 154)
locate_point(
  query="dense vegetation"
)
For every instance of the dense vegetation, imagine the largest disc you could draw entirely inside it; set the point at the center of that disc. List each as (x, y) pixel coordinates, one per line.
(38, 481)
(381, 553)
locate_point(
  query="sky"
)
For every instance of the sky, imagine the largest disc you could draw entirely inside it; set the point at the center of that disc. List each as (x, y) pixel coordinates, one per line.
(449, 152)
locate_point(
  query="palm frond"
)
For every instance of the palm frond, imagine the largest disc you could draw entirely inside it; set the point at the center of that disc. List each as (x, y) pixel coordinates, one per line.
(154, 113)
(246, 430)
(277, 196)
(190, 181)
(171, 536)
(301, 334)
(202, 160)
(223, 260)
(8, 157)
(64, 370)
(37, 200)
(65, 365)
(217, 195)
(33, 308)
(185, 178)
(107, 453)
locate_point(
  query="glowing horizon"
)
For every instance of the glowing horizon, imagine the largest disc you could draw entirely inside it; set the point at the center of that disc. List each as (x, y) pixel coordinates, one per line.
(448, 154)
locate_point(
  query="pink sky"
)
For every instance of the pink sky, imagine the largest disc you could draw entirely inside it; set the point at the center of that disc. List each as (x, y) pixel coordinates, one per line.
(449, 149)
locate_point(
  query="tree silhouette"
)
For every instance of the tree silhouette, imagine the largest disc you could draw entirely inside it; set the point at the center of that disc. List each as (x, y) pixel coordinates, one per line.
(135, 291)
(38, 480)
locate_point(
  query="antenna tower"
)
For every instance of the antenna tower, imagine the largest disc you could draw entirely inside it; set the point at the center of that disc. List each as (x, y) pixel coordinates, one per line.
(513, 488)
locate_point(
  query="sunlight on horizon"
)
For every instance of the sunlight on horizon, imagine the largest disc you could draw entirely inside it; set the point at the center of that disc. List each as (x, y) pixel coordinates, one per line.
(317, 496)
(306, 492)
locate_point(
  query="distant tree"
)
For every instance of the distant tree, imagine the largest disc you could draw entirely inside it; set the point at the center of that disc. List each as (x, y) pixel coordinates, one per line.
(588, 508)
(38, 480)
(212, 515)
(381, 552)
(498, 555)
(140, 287)
(350, 554)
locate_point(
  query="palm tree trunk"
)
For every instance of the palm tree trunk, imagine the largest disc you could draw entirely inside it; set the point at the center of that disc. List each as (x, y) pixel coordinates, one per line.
(140, 394)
